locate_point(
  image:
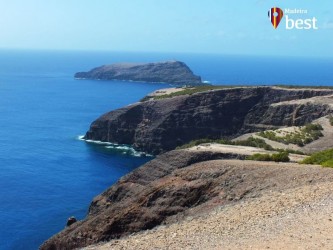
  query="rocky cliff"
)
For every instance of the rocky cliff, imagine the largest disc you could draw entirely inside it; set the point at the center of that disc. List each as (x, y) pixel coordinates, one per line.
(173, 72)
(176, 185)
(191, 182)
(158, 126)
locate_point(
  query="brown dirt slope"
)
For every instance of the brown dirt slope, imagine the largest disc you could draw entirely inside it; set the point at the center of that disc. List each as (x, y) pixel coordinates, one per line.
(182, 184)
(286, 207)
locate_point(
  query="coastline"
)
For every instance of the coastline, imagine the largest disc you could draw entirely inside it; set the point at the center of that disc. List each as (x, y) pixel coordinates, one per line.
(123, 148)
(193, 182)
(50, 158)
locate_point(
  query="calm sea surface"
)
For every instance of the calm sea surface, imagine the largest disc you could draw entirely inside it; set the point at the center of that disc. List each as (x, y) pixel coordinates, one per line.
(46, 173)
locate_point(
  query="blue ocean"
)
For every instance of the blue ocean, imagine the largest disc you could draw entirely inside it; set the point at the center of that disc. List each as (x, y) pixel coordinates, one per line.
(46, 173)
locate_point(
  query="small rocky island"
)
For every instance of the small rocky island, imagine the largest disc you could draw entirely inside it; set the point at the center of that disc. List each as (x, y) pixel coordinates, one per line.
(173, 72)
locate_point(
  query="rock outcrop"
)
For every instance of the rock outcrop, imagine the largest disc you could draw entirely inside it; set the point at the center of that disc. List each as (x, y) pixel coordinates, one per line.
(158, 126)
(173, 72)
(178, 184)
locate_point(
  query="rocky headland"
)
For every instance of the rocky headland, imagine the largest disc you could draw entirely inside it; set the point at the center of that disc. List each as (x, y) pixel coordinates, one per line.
(173, 72)
(160, 125)
(209, 195)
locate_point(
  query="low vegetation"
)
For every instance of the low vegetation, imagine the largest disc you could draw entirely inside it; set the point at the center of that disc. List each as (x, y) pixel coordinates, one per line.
(251, 142)
(193, 90)
(302, 87)
(290, 151)
(254, 142)
(324, 158)
(188, 91)
(202, 141)
(328, 164)
(278, 157)
(303, 136)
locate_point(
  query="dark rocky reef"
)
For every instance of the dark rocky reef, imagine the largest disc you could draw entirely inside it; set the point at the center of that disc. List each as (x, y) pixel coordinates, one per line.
(173, 72)
(174, 186)
(161, 125)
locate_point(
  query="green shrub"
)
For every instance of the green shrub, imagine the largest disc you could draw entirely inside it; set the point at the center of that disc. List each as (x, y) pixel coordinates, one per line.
(281, 157)
(308, 128)
(328, 164)
(290, 151)
(259, 157)
(278, 157)
(307, 134)
(307, 140)
(324, 158)
(202, 141)
(254, 142)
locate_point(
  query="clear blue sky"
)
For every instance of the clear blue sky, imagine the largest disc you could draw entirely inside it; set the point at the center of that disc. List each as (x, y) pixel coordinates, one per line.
(210, 26)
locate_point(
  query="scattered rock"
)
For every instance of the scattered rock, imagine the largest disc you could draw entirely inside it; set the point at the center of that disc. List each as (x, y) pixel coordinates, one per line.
(71, 220)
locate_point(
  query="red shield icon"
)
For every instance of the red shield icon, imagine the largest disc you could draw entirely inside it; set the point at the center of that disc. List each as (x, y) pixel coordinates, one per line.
(275, 14)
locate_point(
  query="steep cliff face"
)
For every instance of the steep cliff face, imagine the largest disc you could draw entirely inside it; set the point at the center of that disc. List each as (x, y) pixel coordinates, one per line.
(174, 72)
(162, 125)
(130, 205)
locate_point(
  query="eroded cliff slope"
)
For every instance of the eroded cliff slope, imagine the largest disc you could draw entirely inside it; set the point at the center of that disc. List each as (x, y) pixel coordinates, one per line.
(158, 126)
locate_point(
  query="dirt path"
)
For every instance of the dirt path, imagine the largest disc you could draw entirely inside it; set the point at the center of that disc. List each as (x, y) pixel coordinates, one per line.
(240, 150)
